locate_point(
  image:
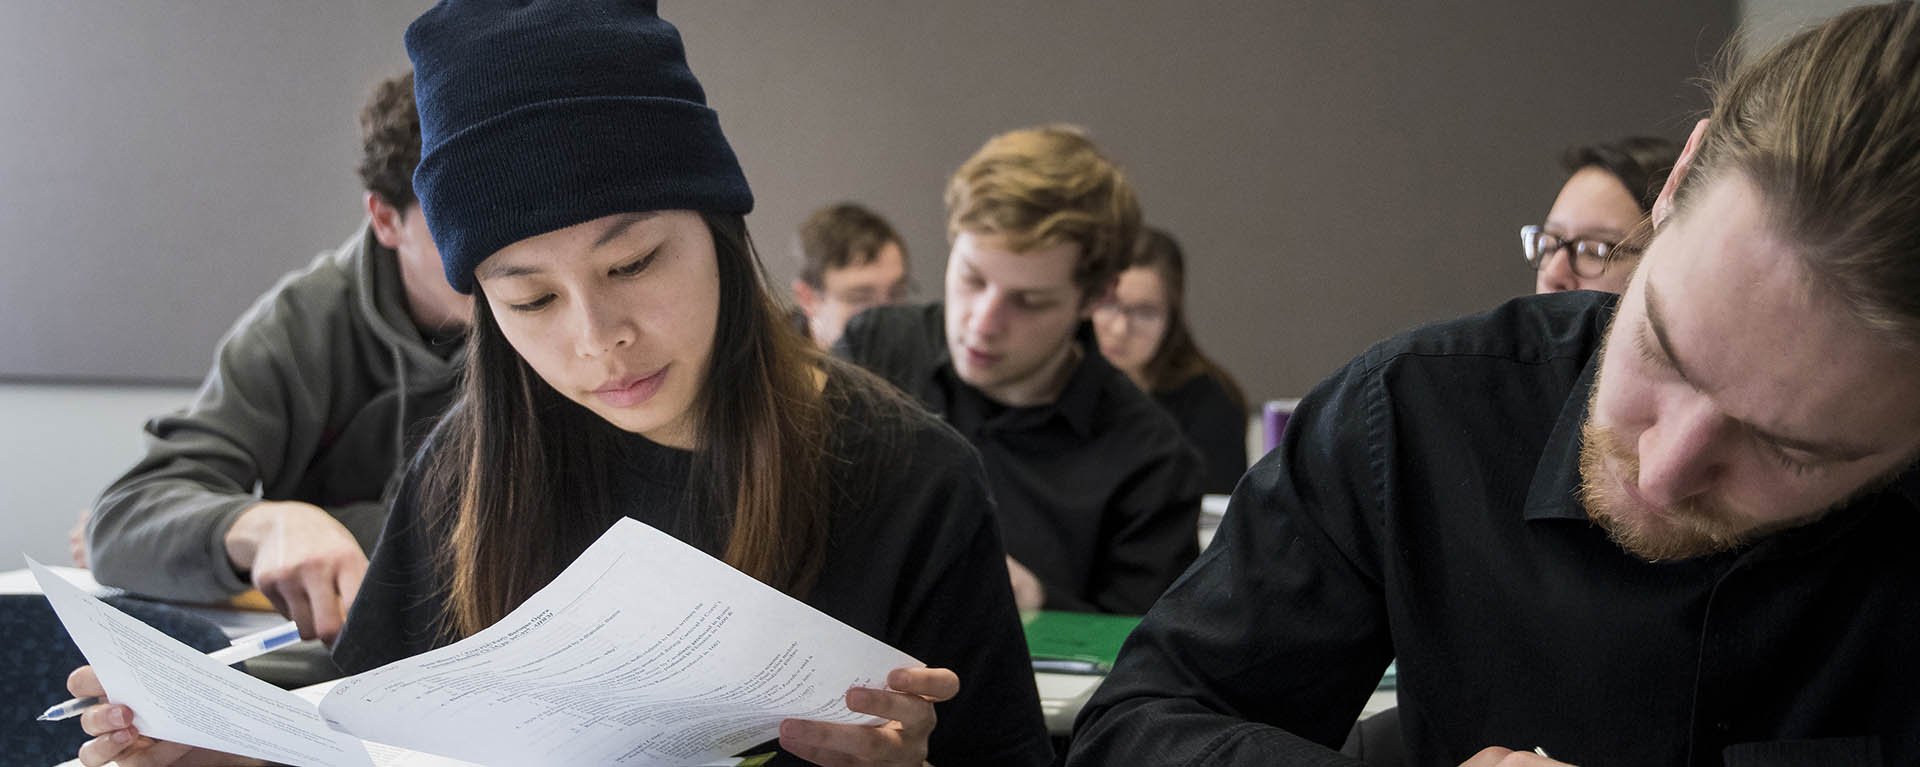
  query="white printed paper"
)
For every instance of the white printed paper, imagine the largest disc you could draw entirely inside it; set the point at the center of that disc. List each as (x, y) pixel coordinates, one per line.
(644, 652)
(181, 695)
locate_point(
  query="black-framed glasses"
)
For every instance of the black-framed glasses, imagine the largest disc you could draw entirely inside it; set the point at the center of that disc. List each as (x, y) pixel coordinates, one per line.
(1589, 258)
(1140, 317)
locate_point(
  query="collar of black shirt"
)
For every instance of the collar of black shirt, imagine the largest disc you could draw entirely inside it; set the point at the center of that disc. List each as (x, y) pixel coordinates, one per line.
(1078, 403)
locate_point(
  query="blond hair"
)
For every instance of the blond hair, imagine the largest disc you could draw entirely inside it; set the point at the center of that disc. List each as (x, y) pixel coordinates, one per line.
(1827, 127)
(1046, 186)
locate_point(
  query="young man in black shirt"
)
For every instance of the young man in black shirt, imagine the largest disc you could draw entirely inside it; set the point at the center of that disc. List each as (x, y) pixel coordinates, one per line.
(1097, 492)
(1672, 528)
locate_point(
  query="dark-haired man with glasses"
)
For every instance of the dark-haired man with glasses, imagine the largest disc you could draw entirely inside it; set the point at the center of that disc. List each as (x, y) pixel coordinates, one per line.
(851, 260)
(1587, 241)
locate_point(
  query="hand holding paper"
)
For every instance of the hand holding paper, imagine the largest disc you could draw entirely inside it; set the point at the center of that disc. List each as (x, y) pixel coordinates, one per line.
(644, 652)
(180, 695)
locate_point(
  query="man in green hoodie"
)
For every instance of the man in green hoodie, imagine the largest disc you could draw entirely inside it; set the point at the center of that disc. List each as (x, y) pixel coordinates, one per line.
(274, 476)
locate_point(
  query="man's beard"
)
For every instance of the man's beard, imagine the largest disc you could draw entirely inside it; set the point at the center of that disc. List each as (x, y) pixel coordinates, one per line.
(1691, 528)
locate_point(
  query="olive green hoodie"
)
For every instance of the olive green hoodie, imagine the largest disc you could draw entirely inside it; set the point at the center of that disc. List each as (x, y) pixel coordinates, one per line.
(317, 394)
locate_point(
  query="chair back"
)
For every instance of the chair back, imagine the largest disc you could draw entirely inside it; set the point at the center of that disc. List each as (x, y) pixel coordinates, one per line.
(35, 657)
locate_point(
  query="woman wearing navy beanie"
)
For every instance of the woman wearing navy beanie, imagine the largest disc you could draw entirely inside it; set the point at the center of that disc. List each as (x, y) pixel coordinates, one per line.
(628, 359)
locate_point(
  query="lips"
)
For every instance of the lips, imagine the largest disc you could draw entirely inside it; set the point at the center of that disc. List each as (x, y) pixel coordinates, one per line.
(631, 391)
(979, 359)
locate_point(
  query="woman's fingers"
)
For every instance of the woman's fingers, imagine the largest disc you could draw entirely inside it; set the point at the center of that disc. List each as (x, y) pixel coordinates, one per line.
(914, 713)
(105, 718)
(82, 683)
(936, 684)
(107, 747)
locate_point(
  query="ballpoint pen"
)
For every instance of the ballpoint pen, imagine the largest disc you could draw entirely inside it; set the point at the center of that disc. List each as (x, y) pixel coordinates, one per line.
(249, 646)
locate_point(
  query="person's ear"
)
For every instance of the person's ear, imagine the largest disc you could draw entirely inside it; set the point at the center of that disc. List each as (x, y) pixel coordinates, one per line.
(1663, 205)
(803, 295)
(387, 222)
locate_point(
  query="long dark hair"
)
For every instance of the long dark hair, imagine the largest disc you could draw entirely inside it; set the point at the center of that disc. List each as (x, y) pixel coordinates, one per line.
(1177, 359)
(524, 475)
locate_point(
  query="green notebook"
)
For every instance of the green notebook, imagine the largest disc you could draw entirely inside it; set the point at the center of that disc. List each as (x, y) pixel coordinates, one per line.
(1076, 643)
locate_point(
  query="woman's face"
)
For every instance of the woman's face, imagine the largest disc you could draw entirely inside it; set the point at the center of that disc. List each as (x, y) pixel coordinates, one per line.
(1593, 205)
(617, 314)
(1131, 325)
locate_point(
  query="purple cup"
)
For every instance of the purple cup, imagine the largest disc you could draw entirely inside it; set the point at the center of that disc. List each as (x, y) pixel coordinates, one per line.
(1273, 419)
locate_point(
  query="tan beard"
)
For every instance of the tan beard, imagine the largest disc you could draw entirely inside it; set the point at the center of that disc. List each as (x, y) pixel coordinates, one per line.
(1691, 528)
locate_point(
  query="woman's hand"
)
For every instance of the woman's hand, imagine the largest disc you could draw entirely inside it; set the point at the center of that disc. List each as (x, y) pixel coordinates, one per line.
(116, 740)
(899, 742)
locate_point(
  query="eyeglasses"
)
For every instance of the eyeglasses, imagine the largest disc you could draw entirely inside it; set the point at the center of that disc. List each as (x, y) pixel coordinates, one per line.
(862, 298)
(1140, 317)
(1589, 258)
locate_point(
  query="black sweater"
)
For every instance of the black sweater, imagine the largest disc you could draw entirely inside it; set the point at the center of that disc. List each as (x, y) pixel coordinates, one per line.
(1216, 424)
(913, 559)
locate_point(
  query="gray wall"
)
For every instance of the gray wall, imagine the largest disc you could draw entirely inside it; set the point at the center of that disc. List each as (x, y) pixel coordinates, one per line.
(63, 444)
(1337, 170)
(162, 163)
(1766, 22)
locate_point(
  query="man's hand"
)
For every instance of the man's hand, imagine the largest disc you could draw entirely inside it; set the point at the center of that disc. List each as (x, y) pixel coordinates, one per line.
(1028, 594)
(118, 741)
(1501, 757)
(303, 560)
(900, 742)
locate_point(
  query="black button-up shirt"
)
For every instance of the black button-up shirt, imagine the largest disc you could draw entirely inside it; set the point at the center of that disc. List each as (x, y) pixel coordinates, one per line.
(1216, 423)
(1423, 504)
(1098, 492)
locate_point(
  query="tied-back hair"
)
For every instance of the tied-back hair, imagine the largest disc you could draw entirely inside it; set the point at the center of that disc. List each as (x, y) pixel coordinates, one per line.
(522, 476)
(1826, 126)
(1177, 359)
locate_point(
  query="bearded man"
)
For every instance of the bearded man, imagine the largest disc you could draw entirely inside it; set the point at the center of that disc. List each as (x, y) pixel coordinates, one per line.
(1673, 528)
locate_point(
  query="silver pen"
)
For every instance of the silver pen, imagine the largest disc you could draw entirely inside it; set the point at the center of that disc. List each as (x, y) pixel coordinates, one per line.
(249, 646)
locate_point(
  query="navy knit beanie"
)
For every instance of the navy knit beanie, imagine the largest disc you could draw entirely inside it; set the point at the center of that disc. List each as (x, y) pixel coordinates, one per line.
(535, 116)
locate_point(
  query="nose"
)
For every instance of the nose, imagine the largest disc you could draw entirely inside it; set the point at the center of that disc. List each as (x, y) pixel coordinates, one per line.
(987, 315)
(601, 329)
(1679, 452)
(1556, 273)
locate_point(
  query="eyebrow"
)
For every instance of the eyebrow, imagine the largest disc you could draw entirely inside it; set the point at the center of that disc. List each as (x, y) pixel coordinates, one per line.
(1601, 233)
(1828, 451)
(613, 232)
(620, 226)
(1034, 292)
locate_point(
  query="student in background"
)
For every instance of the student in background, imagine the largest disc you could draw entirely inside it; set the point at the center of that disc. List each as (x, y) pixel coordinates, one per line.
(316, 396)
(1097, 492)
(1673, 526)
(1589, 241)
(628, 358)
(851, 260)
(1143, 332)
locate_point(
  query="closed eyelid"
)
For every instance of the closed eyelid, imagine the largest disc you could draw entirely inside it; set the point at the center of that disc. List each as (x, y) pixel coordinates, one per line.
(1650, 350)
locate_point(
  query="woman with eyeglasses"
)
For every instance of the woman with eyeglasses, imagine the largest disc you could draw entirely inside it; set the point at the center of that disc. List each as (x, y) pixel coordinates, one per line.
(1588, 240)
(628, 359)
(1143, 332)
